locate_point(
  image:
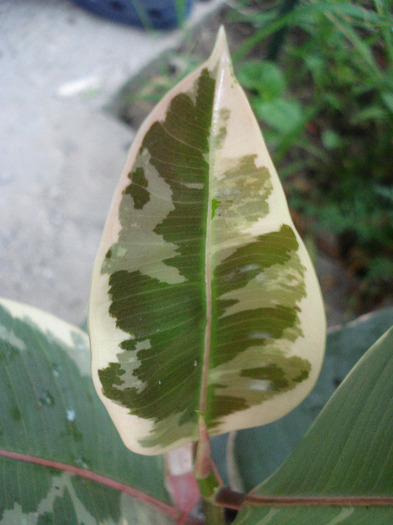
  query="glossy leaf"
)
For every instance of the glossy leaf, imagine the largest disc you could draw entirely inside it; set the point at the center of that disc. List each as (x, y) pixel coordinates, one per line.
(49, 413)
(347, 452)
(203, 299)
(258, 452)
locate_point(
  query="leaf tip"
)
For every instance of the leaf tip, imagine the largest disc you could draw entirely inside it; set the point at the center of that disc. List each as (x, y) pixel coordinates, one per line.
(221, 49)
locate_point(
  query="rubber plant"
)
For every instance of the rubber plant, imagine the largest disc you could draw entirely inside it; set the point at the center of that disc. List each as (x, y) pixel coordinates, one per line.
(205, 318)
(205, 311)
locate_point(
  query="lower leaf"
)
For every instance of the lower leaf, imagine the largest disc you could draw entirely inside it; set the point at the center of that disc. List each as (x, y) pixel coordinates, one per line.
(348, 452)
(61, 458)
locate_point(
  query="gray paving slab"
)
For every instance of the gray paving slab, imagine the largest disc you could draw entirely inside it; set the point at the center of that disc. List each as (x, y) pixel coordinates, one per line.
(60, 152)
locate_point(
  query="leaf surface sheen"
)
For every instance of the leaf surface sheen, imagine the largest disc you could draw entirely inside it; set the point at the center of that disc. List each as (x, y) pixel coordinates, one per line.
(203, 299)
(348, 452)
(61, 459)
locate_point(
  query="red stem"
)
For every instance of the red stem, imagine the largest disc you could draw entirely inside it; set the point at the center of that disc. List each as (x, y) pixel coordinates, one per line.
(170, 511)
(234, 500)
(225, 497)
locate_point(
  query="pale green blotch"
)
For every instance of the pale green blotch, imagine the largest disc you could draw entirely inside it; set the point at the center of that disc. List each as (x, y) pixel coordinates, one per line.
(222, 123)
(61, 489)
(170, 430)
(243, 190)
(277, 284)
(11, 338)
(240, 196)
(139, 247)
(130, 363)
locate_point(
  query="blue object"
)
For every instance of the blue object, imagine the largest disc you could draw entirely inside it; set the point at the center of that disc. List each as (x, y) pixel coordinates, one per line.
(157, 14)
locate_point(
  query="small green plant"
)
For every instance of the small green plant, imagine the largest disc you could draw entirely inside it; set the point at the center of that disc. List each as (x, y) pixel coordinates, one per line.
(205, 318)
(284, 118)
(335, 123)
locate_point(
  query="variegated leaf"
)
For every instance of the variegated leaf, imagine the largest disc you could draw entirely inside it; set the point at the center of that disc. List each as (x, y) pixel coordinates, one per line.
(61, 459)
(203, 300)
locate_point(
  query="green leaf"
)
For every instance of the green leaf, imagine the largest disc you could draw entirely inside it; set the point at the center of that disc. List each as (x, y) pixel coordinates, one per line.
(203, 299)
(331, 139)
(348, 452)
(50, 417)
(284, 116)
(258, 452)
(387, 99)
(264, 77)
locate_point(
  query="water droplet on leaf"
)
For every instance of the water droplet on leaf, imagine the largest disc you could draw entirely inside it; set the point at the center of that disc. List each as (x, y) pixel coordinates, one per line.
(70, 415)
(46, 399)
(81, 461)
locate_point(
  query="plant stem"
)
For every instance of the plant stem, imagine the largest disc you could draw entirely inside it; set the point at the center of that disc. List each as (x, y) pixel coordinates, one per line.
(234, 500)
(279, 37)
(205, 470)
(207, 476)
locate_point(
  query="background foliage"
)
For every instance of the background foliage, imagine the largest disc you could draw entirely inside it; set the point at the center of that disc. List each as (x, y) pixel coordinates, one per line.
(319, 75)
(324, 97)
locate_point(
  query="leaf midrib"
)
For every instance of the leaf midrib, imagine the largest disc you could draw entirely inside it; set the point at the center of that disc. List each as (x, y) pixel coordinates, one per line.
(208, 277)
